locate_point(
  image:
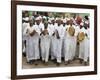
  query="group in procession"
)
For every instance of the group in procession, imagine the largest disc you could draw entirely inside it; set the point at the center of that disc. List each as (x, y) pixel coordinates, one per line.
(55, 38)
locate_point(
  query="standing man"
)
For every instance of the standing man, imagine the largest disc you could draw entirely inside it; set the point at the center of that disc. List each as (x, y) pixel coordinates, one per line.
(57, 43)
(83, 45)
(45, 43)
(69, 42)
(51, 27)
(32, 50)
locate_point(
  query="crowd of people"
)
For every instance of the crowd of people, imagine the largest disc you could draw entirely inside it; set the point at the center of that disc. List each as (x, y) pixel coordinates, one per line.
(54, 38)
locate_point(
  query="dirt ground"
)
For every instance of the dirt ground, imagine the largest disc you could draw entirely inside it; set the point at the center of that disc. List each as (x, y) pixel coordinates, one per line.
(26, 65)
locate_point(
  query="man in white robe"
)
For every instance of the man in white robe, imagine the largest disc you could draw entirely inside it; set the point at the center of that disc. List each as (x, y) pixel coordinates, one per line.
(69, 43)
(39, 24)
(51, 27)
(45, 43)
(77, 28)
(57, 43)
(32, 43)
(84, 47)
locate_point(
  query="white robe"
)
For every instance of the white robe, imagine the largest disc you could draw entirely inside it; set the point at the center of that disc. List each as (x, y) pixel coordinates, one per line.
(77, 46)
(51, 28)
(57, 44)
(32, 44)
(24, 37)
(84, 46)
(70, 44)
(45, 47)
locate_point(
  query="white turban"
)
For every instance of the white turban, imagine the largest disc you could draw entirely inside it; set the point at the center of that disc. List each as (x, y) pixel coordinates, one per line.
(26, 19)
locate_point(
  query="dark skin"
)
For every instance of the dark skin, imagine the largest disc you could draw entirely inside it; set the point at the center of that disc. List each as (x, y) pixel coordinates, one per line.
(71, 22)
(85, 28)
(26, 14)
(53, 22)
(53, 34)
(59, 22)
(67, 22)
(32, 33)
(37, 22)
(57, 34)
(81, 27)
(58, 37)
(86, 17)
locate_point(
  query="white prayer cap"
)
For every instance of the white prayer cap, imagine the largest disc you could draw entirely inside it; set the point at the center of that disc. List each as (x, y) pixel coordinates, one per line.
(26, 19)
(37, 18)
(89, 17)
(87, 22)
(40, 17)
(44, 17)
(64, 20)
(56, 18)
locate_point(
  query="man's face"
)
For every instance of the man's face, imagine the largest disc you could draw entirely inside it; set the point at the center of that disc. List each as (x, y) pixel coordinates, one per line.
(46, 25)
(53, 21)
(71, 22)
(31, 23)
(59, 22)
(37, 22)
